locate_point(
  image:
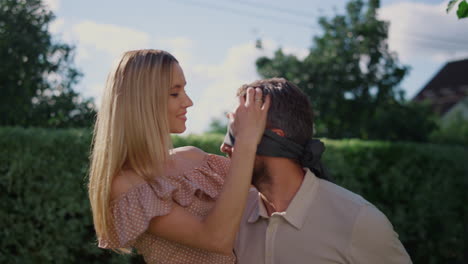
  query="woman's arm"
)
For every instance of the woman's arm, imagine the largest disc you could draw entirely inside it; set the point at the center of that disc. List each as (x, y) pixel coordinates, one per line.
(217, 231)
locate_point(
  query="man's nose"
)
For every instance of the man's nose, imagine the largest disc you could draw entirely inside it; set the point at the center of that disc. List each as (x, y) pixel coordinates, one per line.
(227, 149)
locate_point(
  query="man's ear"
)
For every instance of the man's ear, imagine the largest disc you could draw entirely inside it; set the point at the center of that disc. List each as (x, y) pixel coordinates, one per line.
(278, 132)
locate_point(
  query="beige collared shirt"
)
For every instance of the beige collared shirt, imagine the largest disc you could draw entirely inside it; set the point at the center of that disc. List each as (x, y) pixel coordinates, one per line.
(324, 223)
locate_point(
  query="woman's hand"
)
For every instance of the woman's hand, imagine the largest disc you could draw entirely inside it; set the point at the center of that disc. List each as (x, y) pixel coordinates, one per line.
(249, 119)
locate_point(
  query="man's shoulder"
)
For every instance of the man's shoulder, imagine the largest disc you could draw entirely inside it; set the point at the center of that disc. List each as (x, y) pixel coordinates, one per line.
(352, 209)
(340, 208)
(341, 194)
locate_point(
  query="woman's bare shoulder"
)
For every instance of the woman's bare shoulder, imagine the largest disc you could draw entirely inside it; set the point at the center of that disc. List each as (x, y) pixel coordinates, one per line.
(124, 181)
(189, 152)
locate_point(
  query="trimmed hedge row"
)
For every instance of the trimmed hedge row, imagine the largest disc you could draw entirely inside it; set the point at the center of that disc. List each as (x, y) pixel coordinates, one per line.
(422, 188)
(44, 212)
(45, 215)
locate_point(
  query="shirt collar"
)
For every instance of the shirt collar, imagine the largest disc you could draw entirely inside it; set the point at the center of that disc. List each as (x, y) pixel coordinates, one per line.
(257, 210)
(298, 208)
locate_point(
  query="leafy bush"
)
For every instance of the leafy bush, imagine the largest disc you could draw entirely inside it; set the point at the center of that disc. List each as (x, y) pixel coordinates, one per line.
(209, 142)
(44, 211)
(422, 188)
(388, 123)
(455, 132)
(45, 214)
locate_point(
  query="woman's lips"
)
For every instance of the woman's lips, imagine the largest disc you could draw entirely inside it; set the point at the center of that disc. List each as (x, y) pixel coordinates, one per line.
(182, 116)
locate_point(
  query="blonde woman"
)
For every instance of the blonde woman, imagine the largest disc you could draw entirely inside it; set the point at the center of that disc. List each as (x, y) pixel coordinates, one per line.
(171, 205)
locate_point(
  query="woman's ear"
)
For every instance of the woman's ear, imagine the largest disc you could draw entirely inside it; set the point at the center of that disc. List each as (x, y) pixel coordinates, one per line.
(278, 132)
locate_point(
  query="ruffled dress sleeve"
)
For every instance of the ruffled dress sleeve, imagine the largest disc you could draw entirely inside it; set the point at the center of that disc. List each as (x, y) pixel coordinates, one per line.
(218, 164)
(132, 212)
(204, 180)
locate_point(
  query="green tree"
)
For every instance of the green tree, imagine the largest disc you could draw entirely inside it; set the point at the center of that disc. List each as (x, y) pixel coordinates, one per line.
(217, 126)
(36, 71)
(350, 76)
(462, 11)
(403, 121)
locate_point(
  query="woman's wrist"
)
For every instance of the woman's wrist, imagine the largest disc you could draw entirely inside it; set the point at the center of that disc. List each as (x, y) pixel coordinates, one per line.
(245, 146)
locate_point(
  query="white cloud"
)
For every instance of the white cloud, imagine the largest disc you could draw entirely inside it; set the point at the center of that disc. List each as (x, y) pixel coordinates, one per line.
(109, 38)
(102, 44)
(300, 53)
(212, 86)
(53, 5)
(180, 47)
(114, 40)
(443, 57)
(218, 83)
(425, 30)
(95, 91)
(82, 54)
(57, 26)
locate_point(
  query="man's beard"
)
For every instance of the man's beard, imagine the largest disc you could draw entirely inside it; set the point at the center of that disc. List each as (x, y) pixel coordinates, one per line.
(260, 176)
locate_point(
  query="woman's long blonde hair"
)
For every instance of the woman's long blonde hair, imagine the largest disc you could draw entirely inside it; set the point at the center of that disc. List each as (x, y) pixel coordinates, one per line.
(131, 126)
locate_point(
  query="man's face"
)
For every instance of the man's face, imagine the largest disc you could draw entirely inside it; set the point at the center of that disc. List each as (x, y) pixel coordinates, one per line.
(259, 175)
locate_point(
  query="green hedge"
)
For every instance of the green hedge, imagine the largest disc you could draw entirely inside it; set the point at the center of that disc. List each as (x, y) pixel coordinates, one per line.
(45, 215)
(422, 188)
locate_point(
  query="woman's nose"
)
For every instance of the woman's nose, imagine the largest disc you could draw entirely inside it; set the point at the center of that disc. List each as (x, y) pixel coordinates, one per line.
(188, 102)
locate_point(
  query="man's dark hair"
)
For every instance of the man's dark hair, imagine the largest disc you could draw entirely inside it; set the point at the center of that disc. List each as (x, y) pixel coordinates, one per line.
(290, 109)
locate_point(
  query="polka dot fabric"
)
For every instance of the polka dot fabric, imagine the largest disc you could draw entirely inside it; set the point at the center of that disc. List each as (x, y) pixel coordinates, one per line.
(195, 189)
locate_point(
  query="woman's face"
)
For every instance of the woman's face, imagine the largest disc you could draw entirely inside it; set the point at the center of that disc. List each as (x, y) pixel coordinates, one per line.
(179, 101)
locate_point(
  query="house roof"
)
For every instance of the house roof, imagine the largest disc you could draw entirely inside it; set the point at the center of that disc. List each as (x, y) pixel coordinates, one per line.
(448, 87)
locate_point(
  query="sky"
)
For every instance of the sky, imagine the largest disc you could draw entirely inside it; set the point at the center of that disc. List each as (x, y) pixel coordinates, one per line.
(214, 41)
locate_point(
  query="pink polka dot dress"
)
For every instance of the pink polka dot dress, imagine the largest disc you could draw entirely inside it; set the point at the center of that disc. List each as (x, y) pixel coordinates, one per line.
(195, 189)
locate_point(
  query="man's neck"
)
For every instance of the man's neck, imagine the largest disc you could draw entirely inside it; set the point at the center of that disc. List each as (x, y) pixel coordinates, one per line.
(286, 178)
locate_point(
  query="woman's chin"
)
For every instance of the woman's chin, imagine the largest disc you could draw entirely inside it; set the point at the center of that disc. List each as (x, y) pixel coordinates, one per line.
(178, 130)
